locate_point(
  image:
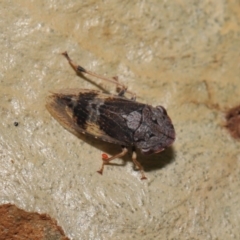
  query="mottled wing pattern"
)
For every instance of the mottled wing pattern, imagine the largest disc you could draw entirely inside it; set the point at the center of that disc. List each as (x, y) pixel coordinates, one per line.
(93, 113)
(56, 105)
(112, 118)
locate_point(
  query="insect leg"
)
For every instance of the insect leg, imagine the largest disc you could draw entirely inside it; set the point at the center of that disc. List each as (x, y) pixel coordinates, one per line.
(120, 89)
(139, 166)
(107, 160)
(80, 69)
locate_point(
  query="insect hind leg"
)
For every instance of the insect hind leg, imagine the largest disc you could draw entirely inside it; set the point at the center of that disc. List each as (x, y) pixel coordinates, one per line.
(79, 69)
(106, 159)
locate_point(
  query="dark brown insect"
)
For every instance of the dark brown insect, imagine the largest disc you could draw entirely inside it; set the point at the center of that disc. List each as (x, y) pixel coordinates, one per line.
(112, 118)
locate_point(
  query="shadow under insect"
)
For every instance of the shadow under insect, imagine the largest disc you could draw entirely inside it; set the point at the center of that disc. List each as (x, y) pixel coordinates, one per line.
(157, 161)
(149, 162)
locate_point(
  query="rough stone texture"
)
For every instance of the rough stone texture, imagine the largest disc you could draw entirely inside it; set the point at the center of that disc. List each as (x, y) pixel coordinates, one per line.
(16, 223)
(183, 55)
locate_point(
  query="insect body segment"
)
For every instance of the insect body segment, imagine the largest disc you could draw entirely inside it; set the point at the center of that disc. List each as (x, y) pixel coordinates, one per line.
(113, 118)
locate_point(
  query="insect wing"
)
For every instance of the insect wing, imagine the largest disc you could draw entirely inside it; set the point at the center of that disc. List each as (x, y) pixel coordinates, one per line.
(93, 113)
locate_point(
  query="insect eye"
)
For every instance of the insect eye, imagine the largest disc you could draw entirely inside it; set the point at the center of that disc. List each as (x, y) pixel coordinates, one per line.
(161, 109)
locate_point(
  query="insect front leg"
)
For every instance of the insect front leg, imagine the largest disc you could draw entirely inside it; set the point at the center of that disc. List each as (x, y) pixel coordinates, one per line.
(139, 166)
(107, 159)
(80, 69)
